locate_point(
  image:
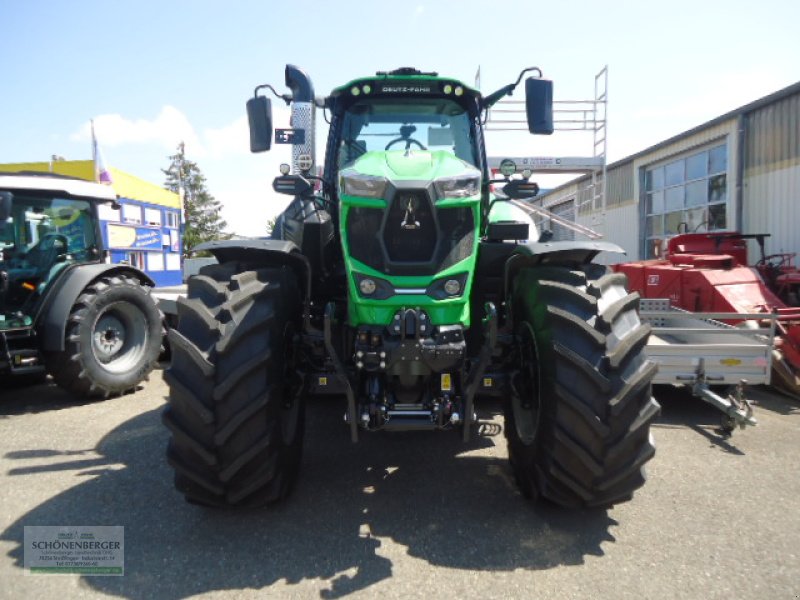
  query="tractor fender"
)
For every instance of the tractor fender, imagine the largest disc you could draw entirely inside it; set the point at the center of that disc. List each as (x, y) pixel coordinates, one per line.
(264, 252)
(60, 301)
(565, 253)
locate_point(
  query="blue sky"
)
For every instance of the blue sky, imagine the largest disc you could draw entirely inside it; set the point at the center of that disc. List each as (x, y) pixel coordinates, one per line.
(154, 73)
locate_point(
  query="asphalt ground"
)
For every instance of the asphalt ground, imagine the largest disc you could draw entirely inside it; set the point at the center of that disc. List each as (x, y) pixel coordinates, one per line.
(403, 515)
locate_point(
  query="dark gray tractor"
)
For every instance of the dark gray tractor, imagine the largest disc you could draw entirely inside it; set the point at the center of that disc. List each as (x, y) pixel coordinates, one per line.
(93, 326)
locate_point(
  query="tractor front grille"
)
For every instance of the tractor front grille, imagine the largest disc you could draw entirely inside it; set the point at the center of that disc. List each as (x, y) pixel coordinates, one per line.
(363, 226)
(410, 234)
(415, 239)
(457, 235)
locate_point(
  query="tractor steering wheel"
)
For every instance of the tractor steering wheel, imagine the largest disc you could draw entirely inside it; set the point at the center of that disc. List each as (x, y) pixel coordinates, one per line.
(47, 250)
(407, 140)
(776, 261)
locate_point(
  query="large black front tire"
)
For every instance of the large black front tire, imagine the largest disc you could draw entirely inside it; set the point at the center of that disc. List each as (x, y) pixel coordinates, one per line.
(113, 338)
(578, 424)
(234, 410)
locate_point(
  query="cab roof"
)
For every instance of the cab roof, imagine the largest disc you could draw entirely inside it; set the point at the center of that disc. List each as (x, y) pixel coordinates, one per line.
(404, 80)
(31, 181)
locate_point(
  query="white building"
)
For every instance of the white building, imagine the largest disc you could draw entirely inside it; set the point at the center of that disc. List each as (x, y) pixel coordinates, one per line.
(738, 172)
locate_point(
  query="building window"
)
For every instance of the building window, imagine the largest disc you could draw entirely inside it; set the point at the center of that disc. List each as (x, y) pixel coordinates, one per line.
(135, 259)
(173, 262)
(155, 261)
(152, 216)
(689, 194)
(172, 219)
(107, 213)
(132, 214)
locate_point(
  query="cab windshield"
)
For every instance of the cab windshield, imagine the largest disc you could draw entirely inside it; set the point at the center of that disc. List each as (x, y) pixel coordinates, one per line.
(42, 235)
(425, 124)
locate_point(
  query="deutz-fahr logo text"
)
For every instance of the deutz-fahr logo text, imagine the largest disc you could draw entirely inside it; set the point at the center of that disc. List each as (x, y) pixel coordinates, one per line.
(406, 89)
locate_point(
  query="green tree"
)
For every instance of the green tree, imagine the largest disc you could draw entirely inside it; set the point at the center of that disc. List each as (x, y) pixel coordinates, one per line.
(201, 211)
(271, 222)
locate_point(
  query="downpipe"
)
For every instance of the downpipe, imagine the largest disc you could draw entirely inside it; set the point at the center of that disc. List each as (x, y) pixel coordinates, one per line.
(302, 116)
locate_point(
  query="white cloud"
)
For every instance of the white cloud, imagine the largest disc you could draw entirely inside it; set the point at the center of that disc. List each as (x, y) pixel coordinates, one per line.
(248, 204)
(167, 129)
(245, 191)
(233, 139)
(170, 127)
(241, 181)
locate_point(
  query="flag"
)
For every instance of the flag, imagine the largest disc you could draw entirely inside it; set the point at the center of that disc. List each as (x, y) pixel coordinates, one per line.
(101, 172)
(181, 189)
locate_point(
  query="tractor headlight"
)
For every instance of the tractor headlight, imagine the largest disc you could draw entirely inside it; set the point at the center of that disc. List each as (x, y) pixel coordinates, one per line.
(367, 286)
(448, 288)
(462, 186)
(365, 186)
(452, 287)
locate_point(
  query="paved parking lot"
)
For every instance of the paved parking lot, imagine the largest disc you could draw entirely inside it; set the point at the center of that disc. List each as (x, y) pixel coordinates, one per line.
(404, 515)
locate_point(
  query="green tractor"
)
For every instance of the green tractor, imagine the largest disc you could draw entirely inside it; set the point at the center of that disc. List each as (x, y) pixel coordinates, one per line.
(64, 309)
(399, 281)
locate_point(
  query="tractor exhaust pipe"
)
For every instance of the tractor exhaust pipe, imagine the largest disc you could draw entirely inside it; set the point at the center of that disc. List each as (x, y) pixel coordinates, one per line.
(302, 116)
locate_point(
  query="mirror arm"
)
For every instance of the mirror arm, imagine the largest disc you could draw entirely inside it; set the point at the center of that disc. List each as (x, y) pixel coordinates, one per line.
(285, 97)
(507, 90)
(493, 98)
(537, 69)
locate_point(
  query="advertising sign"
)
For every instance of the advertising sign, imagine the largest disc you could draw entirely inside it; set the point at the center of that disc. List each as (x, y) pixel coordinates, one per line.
(121, 236)
(81, 550)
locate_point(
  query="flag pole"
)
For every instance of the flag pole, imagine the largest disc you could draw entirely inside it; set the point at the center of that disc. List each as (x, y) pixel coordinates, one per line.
(94, 154)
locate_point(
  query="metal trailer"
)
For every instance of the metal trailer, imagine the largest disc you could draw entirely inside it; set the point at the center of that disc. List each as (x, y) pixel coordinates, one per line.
(697, 350)
(167, 299)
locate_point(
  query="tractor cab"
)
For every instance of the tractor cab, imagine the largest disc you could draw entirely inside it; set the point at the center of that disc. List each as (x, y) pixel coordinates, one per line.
(64, 311)
(42, 232)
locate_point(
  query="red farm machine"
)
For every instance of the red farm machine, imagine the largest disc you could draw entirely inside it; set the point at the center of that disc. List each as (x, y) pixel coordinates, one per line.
(709, 272)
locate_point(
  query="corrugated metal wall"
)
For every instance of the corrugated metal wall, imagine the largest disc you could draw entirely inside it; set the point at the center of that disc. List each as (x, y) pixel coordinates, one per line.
(620, 228)
(772, 175)
(684, 144)
(619, 186)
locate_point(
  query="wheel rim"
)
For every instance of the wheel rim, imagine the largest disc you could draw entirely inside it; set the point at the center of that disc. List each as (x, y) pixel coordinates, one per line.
(119, 337)
(526, 403)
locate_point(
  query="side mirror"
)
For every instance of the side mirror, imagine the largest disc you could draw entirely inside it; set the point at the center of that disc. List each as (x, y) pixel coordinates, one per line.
(519, 189)
(539, 105)
(5, 206)
(294, 185)
(259, 115)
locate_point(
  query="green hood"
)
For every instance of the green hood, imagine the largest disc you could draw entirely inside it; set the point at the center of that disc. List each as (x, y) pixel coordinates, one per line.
(414, 165)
